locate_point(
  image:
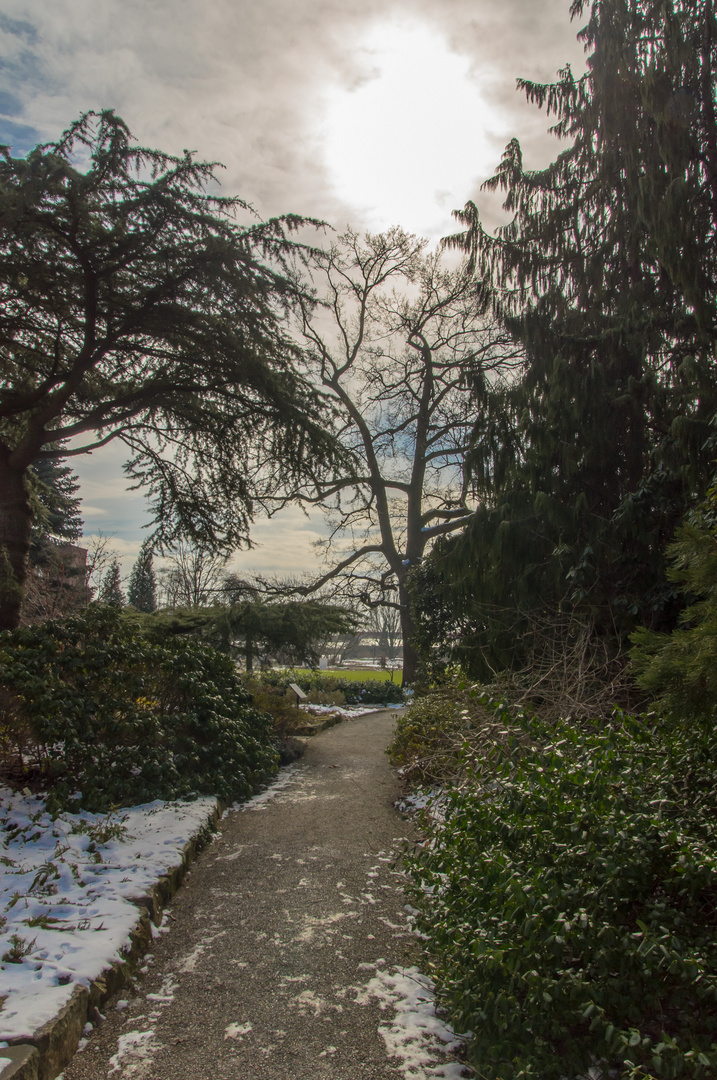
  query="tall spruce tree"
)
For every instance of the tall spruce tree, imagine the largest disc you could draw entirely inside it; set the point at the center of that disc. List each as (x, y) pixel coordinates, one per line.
(56, 584)
(142, 589)
(607, 277)
(112, 591)
(681, 667)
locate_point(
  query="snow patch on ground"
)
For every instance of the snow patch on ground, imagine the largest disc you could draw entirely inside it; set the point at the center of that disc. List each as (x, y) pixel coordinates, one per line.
(66, 888)
(134, 1051)
(286, 777)
(415, 1036)
(349, 712)
(237, 1031)
(308, 1001)
(432, 799)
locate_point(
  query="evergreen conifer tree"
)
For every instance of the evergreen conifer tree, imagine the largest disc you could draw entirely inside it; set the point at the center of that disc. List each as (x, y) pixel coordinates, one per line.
(681, 667)
(609, 279)
(56, 507)
(142, 591)
(111, 591)
(56, 583)
(135, 306)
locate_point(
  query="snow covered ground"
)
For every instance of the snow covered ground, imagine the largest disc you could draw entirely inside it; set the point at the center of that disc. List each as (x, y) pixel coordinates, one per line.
(347, 711)
(65, 894)
(414, 1035)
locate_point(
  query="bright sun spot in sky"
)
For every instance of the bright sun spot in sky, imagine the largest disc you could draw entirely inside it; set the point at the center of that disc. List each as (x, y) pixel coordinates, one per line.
(411, 142)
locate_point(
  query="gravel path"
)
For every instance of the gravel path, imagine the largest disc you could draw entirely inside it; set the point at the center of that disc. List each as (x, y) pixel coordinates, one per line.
(288, 945)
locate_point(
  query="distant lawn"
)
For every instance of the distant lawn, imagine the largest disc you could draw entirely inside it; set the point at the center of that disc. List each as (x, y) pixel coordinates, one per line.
(362, 675)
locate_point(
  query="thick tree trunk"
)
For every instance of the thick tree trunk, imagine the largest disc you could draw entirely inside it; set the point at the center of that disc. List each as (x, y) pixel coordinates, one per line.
(410, 656)
(15, 524)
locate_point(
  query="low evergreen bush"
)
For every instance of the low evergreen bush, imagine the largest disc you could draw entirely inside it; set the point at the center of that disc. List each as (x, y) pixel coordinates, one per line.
(432, 737)
(568, 894)
(108, 717)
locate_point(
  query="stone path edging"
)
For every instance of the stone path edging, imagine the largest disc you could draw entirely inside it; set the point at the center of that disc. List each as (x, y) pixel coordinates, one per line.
(52, 1047)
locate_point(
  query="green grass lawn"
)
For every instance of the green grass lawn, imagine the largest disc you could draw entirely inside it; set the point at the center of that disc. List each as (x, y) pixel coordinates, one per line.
(362, 675)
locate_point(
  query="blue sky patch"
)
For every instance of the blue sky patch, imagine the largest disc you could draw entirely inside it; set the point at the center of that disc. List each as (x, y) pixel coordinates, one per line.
(19, 27)
(21, 137)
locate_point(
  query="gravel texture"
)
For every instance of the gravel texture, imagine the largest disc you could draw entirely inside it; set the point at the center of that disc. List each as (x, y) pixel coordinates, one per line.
(280, 942)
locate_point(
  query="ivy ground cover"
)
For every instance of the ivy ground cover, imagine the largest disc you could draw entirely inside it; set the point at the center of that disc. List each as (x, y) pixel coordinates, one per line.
(568, 894)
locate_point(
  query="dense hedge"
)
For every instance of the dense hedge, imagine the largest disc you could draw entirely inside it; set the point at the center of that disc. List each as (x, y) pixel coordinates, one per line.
(111, 718)
(356, 692)
(568, 894)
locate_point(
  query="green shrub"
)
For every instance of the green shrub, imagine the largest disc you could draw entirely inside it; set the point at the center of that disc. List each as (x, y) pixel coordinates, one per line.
(431, 737)
(112, 718)
(569, 900)
(681, 667)
(276, 703)
(326, 697)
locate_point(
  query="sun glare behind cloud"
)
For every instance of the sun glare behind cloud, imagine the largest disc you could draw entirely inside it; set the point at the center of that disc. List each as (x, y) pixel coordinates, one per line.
(410, 143)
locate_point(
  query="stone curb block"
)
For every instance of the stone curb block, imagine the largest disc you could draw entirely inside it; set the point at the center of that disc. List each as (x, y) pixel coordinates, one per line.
(319, 726)
(25, 1063)
(45, 1054)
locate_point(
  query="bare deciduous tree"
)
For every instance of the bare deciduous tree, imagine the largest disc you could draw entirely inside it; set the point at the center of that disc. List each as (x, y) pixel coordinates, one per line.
(400, 344)
(384, 624)
(193, 578)
(100, 555)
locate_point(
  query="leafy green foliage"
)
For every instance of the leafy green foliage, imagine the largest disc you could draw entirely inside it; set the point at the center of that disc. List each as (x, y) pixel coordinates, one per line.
(284, 631)
(681, 667)
(111, 718)
(355, 691)
(568, 896)
(292, 631)
(56, 506)
(432, 737)
(56, 583)
(165, 624)
(277, 703)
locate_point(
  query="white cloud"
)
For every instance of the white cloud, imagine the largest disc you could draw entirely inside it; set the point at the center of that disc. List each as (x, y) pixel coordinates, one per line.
(249, 84)
(395, 145)
(284, 545)
(246, 83)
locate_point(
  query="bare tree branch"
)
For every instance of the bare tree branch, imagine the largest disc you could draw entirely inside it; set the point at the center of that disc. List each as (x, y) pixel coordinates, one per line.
(396, 341)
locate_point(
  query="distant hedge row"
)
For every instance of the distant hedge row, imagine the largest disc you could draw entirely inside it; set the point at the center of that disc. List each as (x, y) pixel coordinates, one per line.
(356, 692)
(107, 717)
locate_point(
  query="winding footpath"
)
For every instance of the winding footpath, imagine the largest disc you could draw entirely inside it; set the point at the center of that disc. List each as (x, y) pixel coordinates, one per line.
(288, 954)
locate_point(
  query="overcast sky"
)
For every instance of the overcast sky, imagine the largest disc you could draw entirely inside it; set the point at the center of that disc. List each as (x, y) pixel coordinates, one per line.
(354, 111)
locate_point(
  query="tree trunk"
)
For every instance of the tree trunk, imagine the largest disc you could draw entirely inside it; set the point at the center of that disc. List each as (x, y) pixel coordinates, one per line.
(15, 524)
(410, 656)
